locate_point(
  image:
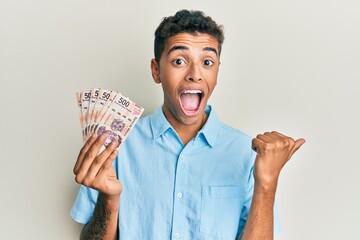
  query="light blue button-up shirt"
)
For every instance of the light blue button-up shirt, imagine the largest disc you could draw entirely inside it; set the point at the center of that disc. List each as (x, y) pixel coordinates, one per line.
(170, 191)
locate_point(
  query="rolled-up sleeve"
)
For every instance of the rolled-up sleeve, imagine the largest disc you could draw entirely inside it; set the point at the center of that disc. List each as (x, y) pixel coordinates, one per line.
(83, 208)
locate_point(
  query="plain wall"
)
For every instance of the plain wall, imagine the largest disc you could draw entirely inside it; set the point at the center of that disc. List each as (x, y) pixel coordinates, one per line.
(291, 66)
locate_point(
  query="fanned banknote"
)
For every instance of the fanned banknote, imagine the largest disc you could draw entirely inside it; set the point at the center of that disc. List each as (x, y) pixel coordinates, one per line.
(105, 111)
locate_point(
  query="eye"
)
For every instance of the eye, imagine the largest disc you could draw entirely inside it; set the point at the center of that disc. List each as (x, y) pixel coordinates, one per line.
(179, 61)
(208, 62)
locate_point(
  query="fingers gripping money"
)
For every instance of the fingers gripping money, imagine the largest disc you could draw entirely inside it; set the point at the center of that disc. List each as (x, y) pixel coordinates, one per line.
(106, 118)
(95, 170)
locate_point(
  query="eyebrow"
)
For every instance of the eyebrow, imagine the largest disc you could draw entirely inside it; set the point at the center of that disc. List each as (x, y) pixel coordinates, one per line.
(211, 49)
(186, 48)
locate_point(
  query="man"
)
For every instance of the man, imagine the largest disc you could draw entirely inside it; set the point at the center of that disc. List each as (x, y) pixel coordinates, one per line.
(182, 174)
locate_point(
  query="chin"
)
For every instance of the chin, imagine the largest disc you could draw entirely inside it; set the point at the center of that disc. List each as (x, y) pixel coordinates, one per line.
(192, 118)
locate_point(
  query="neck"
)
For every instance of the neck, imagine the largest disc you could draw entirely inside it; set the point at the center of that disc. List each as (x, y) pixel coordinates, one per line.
(186, 132)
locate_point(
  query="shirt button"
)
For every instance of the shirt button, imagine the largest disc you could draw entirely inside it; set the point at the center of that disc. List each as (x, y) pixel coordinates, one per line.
(177, 235)
(179, 195)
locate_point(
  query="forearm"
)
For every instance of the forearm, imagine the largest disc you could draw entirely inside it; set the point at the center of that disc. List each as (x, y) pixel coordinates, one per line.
(260, 223)
(273, 151)
(104, 224)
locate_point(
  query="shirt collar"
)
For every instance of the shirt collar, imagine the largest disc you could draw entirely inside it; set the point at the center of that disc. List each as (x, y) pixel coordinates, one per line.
(159, 125)
(210, 128)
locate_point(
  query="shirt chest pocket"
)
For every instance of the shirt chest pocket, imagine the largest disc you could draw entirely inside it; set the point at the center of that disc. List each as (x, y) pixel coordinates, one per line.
(220, 210)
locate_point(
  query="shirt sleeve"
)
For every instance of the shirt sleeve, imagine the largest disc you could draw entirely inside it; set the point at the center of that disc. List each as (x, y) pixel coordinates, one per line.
(83, 208)
(247, 204)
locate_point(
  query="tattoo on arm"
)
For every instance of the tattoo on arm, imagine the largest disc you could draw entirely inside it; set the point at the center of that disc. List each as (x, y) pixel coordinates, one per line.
(96, 229)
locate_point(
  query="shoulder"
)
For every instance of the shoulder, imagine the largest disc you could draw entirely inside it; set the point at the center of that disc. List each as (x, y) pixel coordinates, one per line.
(233, 134)
(231, 131)
(144, 122)
(235, 143)
(221, 133)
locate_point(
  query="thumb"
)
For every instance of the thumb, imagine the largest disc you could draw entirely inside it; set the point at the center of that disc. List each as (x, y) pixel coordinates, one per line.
(298, 144)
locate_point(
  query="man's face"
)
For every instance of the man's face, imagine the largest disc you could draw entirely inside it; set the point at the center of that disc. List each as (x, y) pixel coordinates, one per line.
(188, 72)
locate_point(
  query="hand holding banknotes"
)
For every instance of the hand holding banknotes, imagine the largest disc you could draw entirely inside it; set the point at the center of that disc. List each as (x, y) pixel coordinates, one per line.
(106, 118)
(94, 169)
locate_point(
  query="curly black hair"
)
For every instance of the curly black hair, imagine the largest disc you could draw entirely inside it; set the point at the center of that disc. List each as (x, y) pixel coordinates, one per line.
(185, 21)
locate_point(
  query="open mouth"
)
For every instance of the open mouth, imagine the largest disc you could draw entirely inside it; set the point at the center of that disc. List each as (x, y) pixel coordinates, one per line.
(190, 101)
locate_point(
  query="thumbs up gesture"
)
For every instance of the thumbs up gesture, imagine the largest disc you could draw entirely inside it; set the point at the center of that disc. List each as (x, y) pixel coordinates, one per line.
(274, 150)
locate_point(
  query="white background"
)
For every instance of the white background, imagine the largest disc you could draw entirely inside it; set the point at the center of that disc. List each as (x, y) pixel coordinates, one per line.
(291, 66)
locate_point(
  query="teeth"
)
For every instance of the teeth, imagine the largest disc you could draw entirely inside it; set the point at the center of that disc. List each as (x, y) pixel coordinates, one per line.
(192, 91)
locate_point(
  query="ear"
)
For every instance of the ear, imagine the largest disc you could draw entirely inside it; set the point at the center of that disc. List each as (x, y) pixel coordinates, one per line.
(155, 71)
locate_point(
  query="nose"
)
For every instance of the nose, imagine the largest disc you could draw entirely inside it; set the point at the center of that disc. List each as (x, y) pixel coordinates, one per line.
(194, 73)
